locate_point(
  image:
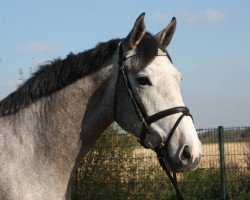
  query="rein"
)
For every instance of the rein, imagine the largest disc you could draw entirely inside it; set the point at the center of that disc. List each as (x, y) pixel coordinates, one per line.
(147, 120)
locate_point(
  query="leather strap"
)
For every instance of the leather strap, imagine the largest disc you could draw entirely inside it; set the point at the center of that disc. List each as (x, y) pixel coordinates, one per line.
(171, 177)
(153, 118)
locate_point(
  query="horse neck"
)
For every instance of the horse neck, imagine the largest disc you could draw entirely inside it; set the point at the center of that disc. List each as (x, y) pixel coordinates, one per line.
(84, 109)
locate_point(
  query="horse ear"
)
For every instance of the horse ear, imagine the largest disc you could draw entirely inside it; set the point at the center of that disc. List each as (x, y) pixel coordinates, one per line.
(136, 34)
(165, 36)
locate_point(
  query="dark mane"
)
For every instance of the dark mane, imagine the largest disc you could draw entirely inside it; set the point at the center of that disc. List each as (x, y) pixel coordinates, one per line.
(59, 73)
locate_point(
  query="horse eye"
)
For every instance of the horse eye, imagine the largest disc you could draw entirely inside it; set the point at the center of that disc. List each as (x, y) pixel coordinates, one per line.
(143, 80)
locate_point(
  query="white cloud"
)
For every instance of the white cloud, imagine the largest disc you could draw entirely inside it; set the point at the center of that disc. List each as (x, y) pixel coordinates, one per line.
(10, 84)
(37, 47)
(209, 15)
(215, 15)
(189, 17)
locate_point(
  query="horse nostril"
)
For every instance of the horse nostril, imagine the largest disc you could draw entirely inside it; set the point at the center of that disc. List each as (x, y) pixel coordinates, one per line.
(186, 152)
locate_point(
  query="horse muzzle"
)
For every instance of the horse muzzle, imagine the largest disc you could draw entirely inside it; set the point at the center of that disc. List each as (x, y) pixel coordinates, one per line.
(183, 161)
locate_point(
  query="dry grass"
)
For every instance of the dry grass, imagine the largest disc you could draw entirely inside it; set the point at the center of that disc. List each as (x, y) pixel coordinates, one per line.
(235, 152)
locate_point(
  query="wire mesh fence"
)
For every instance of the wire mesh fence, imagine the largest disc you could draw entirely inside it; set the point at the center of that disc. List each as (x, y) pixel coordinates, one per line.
(119, 168)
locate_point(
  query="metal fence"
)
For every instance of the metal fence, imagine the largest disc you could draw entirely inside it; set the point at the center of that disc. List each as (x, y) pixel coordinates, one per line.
(119, 168)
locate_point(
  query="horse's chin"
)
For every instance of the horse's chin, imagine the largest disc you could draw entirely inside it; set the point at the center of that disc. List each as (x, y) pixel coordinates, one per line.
(177, 167)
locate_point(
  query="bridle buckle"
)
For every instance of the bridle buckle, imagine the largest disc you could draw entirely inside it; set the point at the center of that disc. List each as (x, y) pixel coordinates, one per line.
(162, 145)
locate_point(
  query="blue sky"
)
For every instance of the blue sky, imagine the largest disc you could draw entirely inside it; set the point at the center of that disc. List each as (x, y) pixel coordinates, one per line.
(211, 45)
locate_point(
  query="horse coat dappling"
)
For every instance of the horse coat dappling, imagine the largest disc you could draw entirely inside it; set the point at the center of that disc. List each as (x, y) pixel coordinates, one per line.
(49, 124)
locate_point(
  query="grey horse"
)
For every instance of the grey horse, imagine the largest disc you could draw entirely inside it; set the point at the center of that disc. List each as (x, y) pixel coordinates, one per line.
(49, 124)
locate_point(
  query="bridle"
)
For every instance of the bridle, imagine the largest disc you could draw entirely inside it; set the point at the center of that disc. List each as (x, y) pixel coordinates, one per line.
(147, 120)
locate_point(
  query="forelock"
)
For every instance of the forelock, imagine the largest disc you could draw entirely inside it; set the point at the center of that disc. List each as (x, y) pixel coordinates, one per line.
(147, 50)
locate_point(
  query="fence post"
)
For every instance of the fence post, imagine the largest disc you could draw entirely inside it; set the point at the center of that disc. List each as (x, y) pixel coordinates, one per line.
(222, 163)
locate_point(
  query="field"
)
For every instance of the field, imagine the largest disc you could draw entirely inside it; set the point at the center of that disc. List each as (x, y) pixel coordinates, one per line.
(128, 171)
(235, 152)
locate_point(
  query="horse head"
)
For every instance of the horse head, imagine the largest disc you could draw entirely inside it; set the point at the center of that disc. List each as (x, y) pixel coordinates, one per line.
(148, 101)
